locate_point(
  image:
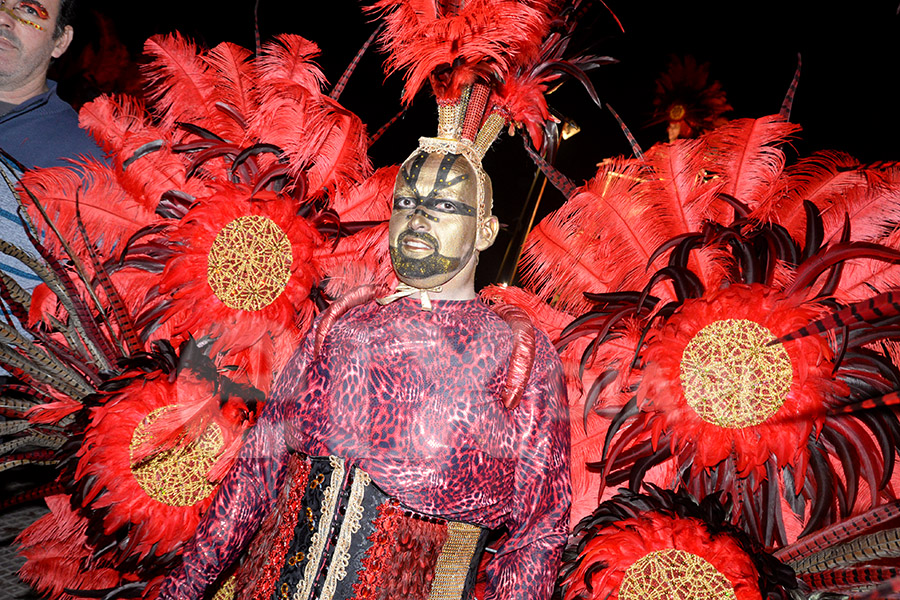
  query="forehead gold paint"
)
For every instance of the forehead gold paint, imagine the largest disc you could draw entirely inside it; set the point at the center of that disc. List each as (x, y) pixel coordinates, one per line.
(439, 176)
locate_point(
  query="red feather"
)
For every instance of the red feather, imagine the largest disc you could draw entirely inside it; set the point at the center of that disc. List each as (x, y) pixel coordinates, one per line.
(144, 165)
(480, 42)
(287, 61)
(359, 259)
(179, 82)
(678, 186)
(235, 86)
(341, 156)
(622, 212)
(108, 213)
(371, 200)
(745, 153)
(522, 97)
(58, 555)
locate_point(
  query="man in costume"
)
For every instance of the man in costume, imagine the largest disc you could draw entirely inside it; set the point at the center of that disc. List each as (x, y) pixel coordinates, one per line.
(411, 392)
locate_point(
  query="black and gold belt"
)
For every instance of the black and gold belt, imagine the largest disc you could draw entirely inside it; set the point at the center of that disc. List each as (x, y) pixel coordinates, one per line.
(335, 535)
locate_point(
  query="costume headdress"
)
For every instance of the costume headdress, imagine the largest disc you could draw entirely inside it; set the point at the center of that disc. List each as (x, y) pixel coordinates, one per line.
(466, 126)
(462, 49)
(489, 63)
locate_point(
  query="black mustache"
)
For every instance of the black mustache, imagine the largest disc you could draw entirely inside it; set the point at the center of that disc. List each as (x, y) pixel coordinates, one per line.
(419, 235)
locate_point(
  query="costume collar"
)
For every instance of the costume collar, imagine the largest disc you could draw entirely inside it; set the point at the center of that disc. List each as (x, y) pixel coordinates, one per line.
(404, 290)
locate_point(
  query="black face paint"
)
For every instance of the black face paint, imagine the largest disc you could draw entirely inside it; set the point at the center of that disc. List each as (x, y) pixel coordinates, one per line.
(438, 205)
(442, 182)
(430, 202)
(411, 175)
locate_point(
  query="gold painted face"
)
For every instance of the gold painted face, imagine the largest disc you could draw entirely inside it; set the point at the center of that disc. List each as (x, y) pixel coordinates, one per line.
(433, 230)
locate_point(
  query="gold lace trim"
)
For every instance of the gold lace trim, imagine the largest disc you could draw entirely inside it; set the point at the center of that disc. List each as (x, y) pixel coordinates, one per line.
(352, 518)
(320, 537)
(673, 574)
(453, 563)
(731, 377)
(227, 589)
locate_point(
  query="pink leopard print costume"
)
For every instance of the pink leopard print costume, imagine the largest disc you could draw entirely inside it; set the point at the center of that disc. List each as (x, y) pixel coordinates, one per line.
(412, 397)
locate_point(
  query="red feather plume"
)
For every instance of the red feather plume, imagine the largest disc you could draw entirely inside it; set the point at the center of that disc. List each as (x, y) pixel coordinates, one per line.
(480, 42)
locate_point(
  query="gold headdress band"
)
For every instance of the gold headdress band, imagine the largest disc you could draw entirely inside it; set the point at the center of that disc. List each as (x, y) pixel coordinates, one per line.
(464, 128)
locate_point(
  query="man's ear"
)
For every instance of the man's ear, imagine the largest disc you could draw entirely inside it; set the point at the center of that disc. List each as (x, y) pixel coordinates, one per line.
(61, 44)
(487, 233)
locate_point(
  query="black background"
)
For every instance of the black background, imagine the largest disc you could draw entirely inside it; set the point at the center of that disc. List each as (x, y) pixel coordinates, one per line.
(846, 98)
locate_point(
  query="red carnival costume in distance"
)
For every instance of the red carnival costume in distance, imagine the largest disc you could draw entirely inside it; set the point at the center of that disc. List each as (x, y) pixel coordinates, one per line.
(412, 397)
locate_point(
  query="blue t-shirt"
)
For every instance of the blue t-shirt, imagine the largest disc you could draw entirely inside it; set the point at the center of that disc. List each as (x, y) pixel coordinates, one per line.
(41, 132)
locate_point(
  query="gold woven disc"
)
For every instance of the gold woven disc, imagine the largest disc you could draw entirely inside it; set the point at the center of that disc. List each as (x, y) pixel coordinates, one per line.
(731, 377)
(176, 477)
(674, 575)
(249, 264)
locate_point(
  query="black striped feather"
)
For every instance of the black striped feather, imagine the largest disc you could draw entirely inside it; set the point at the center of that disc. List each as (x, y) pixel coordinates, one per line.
(876, 308)
(22, 353)
(838, 532)
(862, 577)
(861, 550)
(117, 307)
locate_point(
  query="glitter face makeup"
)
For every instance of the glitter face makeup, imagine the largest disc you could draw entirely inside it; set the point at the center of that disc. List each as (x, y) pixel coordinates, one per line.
(433, 224)
(28, 12)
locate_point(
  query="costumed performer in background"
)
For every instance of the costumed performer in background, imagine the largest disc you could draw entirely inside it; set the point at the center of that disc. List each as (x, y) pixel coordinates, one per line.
(455, 412)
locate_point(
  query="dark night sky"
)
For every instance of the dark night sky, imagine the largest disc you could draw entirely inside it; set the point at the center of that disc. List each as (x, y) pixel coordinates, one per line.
(845, 100)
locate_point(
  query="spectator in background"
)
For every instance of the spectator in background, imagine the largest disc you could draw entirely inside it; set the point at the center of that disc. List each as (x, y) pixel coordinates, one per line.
(37, 128)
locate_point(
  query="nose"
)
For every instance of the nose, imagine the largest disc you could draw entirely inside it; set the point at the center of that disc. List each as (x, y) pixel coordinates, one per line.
(418, 220)
(6, 17)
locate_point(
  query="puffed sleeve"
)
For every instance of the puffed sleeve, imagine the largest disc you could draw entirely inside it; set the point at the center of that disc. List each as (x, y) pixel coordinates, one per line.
(525, 567)
(246, 495)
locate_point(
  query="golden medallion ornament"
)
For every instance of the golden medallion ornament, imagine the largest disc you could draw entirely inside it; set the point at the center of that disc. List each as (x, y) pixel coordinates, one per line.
(176, 477)
(673, 574)
(249, 264)
(732, 377)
